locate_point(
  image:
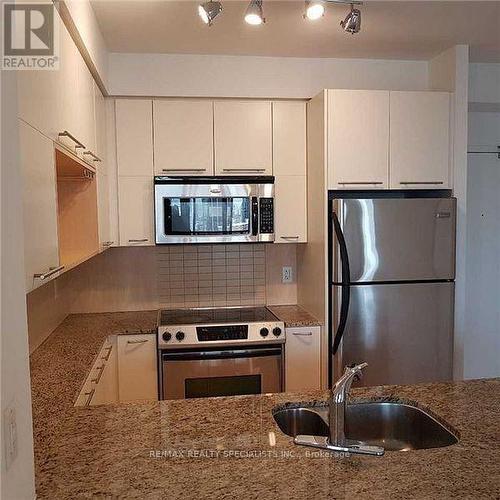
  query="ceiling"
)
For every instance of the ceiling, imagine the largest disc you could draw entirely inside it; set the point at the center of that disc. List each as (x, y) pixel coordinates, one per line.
(390, 30)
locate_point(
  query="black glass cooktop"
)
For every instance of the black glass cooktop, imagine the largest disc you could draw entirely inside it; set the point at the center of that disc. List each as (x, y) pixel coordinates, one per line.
(216, 315)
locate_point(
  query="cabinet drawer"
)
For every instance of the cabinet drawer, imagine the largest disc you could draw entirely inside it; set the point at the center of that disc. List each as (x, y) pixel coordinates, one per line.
(302, 358)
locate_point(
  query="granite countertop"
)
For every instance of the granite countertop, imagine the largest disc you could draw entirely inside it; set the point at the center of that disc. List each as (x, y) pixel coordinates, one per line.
(294, 316)
(231, 447)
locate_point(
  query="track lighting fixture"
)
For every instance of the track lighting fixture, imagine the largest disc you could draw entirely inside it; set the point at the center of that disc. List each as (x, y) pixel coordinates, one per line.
(315, 9)
(352, 22)
(208, 11)
(254, 14)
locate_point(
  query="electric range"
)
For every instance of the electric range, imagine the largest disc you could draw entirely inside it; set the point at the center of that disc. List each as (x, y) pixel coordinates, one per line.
(209, 352)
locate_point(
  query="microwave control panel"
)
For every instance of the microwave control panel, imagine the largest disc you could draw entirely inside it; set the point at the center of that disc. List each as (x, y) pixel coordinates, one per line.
(266, 216)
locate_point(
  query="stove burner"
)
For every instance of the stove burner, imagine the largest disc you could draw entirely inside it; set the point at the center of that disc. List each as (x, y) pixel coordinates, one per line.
(216, 315)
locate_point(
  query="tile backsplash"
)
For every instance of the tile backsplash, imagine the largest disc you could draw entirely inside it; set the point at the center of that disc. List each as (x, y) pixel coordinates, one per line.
(211, 275)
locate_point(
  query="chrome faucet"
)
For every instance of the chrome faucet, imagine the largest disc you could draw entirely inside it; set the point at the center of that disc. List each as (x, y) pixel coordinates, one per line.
(337, 403)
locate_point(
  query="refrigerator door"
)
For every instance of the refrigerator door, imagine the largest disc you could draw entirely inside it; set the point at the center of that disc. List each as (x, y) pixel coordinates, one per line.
(397, 239)
(403, 331)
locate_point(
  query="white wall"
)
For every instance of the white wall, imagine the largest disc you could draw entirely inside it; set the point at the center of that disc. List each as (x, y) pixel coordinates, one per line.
(484, 82)
(450, 71)
(17, 482)
(247, 76)
(482, 344)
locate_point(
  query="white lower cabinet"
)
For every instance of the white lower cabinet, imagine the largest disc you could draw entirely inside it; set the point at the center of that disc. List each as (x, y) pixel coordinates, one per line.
(137, 367)
(302, 358)
(135, 211)
(105, 375)
(125, 370)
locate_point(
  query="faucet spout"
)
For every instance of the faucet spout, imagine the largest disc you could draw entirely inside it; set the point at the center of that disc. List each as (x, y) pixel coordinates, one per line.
(338, 401)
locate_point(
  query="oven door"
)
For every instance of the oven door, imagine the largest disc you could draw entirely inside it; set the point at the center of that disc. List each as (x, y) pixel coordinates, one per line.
(222, 372)
(210, 211)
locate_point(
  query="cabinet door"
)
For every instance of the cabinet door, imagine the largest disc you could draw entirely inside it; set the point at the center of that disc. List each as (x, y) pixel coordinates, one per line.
(41, 252)
(183, 137)
(243, 142)
(420, 140)
(137, 367)
(136, 210)
(290, 209)
(85, 122)
(302, 358)
(105, 376)
(103, 209)
(358, 139)
(289, 138)
(100, 129)
(134, 136)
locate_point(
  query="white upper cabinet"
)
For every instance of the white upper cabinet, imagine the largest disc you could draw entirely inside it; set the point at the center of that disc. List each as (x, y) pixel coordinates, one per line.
(103, 210)
(289, 138)
(243, 138)
(290, 209)
(134, 136)
(41, 251)
(420, 140)
(358, 139)
(289, 167)
(183, 137)
(136, 210)
(100, 129)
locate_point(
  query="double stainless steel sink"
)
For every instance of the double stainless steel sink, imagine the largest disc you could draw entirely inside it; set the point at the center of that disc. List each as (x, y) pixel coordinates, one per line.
(391, 425)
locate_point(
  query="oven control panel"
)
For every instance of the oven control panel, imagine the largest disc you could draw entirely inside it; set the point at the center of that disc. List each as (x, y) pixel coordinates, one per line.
(266, 215)
(181, 336)
(229, 332)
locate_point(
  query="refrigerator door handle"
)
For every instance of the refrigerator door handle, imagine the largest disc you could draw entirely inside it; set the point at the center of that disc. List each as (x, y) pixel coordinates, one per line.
(346, 282)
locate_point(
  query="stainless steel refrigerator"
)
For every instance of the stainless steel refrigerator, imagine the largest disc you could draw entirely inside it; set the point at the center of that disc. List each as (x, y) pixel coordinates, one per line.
(392, 272)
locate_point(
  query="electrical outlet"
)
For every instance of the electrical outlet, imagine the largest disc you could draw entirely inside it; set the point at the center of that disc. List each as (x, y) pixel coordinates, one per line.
(286, 274)
(10, 435)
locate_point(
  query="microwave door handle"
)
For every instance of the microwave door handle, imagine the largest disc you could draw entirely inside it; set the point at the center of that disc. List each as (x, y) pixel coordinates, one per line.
(346, 282)
(167, 216)
(255, 215)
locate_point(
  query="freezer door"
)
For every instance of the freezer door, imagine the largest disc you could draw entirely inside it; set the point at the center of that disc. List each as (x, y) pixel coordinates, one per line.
(402, 239)
(403, 331)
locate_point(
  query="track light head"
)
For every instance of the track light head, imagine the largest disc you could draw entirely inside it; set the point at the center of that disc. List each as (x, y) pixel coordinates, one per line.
(352, 22)
(315, 9)
(254, 14)
(208, 11)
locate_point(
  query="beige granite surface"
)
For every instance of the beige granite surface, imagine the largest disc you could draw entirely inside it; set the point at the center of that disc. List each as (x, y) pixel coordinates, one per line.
(230, 447)
(294, 316)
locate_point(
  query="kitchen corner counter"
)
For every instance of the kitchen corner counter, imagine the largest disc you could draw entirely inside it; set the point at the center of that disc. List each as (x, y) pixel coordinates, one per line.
(231, 447)
(294, 316)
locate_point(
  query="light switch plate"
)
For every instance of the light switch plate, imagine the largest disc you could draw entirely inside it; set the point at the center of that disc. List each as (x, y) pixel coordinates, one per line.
(286, 274)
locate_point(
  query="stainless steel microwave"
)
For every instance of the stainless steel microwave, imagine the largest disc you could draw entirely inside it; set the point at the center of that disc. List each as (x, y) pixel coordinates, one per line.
(214, 209)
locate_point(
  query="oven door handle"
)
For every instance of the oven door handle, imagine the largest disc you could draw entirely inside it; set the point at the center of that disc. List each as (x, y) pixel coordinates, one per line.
(223, 354)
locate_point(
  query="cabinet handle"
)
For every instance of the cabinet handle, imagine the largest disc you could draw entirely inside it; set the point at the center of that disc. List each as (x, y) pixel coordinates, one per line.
(183, 169)
(107, 244)
(243, 169)
(109, 349)
(100, 369)
(421, 182)
(95, 157)
(355, 183)
(289, 237)
(300, 334)
(78, 144)
(90, 396)
(137, 341)
(49, 273)
(139, 241)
